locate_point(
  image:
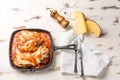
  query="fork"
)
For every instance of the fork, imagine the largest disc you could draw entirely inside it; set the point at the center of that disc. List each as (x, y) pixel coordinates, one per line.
(75, 65)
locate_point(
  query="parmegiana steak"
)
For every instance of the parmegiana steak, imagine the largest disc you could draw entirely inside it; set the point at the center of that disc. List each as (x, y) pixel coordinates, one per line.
(31, 49)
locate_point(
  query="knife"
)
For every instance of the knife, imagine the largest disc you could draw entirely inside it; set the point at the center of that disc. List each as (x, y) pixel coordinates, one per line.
(80, 30)
(79, 51)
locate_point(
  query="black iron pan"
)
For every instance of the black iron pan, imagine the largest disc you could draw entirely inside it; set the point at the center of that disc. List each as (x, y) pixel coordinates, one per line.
(53, 49)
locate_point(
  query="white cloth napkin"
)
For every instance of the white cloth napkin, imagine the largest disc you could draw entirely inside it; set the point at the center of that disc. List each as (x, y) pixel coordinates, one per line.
(94, 61)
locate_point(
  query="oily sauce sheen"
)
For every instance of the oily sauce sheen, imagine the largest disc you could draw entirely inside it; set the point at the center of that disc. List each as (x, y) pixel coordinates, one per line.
(31, 49)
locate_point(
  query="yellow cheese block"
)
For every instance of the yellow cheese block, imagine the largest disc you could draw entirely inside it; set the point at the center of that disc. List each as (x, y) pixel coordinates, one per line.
(81, 27)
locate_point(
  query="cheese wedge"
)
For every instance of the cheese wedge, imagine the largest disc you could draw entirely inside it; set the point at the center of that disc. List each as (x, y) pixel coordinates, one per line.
(93, 28)
(81, 27)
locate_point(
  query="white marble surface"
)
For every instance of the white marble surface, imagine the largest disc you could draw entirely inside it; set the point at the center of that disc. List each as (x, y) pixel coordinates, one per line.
(33, 14)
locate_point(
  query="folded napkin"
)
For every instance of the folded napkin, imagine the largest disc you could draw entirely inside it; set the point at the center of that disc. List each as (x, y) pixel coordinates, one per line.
(94, 61)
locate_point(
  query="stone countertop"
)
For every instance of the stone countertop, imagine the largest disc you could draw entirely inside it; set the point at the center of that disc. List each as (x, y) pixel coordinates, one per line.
(17, 14)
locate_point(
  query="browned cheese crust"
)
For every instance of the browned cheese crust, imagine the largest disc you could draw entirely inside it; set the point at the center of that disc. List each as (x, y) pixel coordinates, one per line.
(31, 49)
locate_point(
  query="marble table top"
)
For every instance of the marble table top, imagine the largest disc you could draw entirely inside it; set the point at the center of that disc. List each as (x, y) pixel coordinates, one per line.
(17, 14)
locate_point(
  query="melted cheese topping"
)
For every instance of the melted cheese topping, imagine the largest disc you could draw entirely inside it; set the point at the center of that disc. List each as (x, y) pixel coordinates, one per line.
(38, 56)
(30, 48)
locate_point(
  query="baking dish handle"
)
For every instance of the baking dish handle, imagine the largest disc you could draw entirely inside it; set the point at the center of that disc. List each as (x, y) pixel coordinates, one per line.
(70, 47)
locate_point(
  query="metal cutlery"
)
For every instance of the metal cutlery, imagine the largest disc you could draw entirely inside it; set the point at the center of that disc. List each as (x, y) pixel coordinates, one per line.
(80, 40)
